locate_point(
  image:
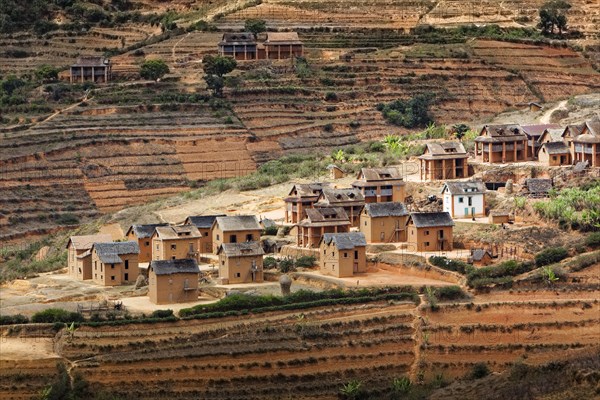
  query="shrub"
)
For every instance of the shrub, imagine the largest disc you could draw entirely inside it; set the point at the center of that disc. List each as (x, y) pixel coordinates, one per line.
(449, 293)
(593, 240)
(13, 319)
(355, 125)
(269, 262)
(500, 274)
(451, 265)
(377, 147)
(479, 371)
(409, 113)
(286, 266)
(550, 256)
(331, 96)
(162, 314)
(271, 230)
(153, 69)
(328, 128)
(306, 261)
(56, 315)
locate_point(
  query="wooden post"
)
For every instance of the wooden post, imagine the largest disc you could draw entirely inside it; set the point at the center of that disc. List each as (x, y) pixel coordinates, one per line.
(594, 157)
(515, 151)
(444, 169)
(490, 153)
(503, 152)
(82, 75)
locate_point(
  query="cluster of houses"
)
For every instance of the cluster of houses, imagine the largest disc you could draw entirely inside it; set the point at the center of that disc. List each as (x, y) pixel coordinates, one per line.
(245, 46)
(551, 144)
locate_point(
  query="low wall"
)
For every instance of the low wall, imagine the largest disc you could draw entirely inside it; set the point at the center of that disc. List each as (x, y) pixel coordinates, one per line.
(296, 252)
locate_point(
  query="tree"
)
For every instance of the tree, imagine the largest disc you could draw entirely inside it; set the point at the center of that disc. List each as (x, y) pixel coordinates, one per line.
(460, 130)
(255, 26)
(215, 67)
(553, 15)
(46, 72)
(153, 69)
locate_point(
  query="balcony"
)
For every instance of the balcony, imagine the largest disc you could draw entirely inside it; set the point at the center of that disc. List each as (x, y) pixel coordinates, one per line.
(386, 192)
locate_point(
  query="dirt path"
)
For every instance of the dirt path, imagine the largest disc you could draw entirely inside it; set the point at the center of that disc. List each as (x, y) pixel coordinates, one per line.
(418, 341)
(175, 47)
(545, 118)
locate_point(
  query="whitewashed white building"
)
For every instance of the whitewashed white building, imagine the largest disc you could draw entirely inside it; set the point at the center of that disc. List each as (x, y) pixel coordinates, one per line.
(464, 199)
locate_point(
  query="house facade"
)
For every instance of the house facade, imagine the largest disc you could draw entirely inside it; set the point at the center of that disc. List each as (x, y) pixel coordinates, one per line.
(320, 221)
(173, 281)
(384, 222)
(115, 263)
(586, 146)
(335, 172)
(380, 185)
(445, 160)
(245, 46)
(235, 229)
(464, 199)
(240, 262)
(343, 254)
(430, 231)
(533, 133)
(281, 46)
(351, 200)
(79, 256)
(143, 235)
(204, 223)
(240, 45)
(175, 242)
(553, 150)
(91, 69)
(300, 198)
(501, 144)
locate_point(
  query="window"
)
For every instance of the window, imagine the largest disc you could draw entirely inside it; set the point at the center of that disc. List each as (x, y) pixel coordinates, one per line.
(126, 264)
(173, 247)
(126, 277)
(426, 232)
(147, 243)
(112, 278)
(461, 200)
(426, 243)
(172, 258)
(249, 237)
(223, 262)
(441, 233)
(470, 201)
(365, 223)
(112, 266)
(218, 238)
(356, 254)
(345, 255)
(157, 246)
(233, 238)
(324, 251)
(237, 275)
(382, 223)
(101, 267)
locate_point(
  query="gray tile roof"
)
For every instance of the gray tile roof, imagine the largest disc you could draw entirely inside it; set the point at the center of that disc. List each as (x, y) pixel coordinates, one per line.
(341, 196)
(241, 249)
(478, 254)
(202, 221)
(388, 209)
(464, 188)
(445, 148)
(431, 219)
(538, 129)
(308, 189)
(501, 133)
(238, 38)
(345, 241)
(91, 61)
(144, 231)
(326, 214)
(238, 223)
(538, 185)
(379, 174)
(169, 267)
(551, 135)
(556, 148)
(177, 232)
(109, 252)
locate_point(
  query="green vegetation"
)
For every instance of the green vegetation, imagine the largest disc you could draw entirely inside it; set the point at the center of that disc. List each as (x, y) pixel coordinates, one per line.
(19, 262)
(352, 390)
(56, 315)
(46, 73)
(255, 26)
(449, 293)
(297, 300)
(574, 208)
(550, 256)
(13, 319)
(411, 113)
(269, 262)
(215, 68)
(593, 240)
(501, 274)
(153, 69)
(553, 15)
(451, 265)
(479, 371)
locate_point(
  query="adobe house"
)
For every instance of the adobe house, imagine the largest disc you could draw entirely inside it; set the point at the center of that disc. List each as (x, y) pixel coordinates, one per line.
(586, 146)
(533, 133)
(464, 199)
(501, 143)
(430, 231)
(384, 222)
(79, 257)
(173, 281)
(241, 46)
(175, 242)
(240, 262)
(445, 160)
(91, 69)
(115, 263)
(538, 187)
(480, 257)
(343, 254)
(320, 221)
(281, 46)
(204, 223)
(351, 200)
(301, 197)
(553, 150)
(570, 132)
(533, 106)
(335, 172)
(499, 217)
(235, 229)
(143, 235)
(380, 185)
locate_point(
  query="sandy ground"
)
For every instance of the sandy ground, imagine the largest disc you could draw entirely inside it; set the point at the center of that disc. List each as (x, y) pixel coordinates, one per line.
(382, 278)
(114, 230)
(142, 304)
(26, 349)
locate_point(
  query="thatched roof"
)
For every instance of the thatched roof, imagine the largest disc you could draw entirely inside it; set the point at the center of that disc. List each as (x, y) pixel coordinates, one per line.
(345, 241)
(238, 223)
(170, 267)
(109, 252)
(85, 242)
(143, 231)
(387, 209)
(431, 219)
(464, 188)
